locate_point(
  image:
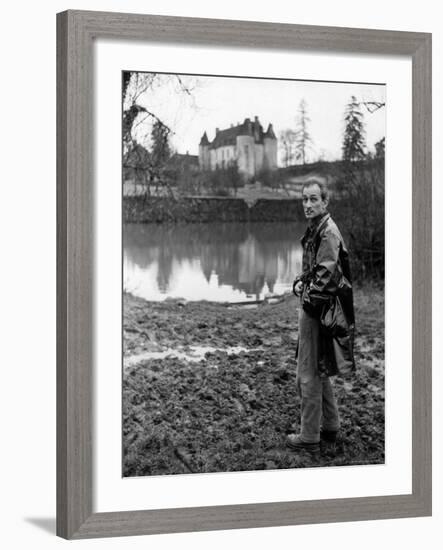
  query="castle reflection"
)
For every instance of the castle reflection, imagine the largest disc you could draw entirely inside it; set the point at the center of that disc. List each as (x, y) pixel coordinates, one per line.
(221, 262)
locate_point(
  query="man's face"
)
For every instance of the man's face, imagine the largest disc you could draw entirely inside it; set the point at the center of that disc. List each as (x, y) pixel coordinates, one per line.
(313, 204)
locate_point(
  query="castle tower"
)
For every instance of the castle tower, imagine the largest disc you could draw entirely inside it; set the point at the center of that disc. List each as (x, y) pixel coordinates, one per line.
(203, 153)
(270, 149)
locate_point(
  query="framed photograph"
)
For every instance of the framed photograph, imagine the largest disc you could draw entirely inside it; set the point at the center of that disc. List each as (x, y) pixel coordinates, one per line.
(243, 275)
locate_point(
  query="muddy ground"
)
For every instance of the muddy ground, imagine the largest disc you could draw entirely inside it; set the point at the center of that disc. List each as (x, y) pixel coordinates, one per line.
(228, 399)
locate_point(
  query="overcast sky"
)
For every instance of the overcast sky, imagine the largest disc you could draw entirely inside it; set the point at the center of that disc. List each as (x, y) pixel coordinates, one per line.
(221, 101)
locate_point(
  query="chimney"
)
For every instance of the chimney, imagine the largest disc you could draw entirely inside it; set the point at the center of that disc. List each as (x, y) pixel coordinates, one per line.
(217, 130)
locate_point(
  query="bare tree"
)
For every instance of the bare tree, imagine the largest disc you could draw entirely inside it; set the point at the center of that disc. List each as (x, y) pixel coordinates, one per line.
(372, 106)
(287, 144)
(146, 148)
(303, 140)
(135, 96)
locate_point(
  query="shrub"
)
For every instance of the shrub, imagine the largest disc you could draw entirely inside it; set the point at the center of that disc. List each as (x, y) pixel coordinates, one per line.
(360, 210)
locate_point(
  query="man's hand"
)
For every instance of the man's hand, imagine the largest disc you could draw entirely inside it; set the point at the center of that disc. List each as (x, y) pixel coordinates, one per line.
(297, 288)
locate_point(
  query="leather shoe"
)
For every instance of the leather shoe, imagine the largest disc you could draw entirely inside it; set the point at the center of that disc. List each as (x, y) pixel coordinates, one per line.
(295, 443)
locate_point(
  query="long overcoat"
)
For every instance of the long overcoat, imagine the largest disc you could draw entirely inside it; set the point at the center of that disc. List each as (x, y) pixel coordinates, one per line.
(327, 295)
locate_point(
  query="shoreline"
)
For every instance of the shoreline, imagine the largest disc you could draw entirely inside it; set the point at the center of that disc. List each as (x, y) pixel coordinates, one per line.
(202, 209)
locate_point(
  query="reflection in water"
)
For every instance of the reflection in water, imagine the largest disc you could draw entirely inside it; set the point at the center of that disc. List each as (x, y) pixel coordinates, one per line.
(220, 262)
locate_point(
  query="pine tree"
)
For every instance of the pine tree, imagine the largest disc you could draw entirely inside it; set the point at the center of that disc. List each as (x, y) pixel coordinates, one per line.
(354, 142)
(303, 139)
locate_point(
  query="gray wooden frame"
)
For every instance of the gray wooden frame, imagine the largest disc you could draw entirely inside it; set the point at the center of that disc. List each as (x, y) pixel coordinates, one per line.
(76, 31)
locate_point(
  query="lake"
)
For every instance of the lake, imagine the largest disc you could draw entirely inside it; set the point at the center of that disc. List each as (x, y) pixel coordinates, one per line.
(223, 262)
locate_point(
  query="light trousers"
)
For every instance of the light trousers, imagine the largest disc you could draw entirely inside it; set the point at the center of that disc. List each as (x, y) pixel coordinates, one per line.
(318, 404)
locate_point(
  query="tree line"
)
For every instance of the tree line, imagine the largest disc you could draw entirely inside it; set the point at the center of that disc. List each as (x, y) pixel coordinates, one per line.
(297, 143)
(151, 163)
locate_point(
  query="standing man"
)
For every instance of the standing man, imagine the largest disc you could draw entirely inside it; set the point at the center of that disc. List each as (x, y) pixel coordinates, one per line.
(326, 321)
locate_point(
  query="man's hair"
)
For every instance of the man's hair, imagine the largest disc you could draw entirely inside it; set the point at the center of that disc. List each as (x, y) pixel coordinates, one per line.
(324, 192)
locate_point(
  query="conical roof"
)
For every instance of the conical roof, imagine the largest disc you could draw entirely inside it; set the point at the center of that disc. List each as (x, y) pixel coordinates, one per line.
(270, 132)
(204, 140)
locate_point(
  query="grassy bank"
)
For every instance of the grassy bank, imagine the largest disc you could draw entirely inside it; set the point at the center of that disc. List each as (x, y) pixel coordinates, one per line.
(201, 209)
(232, 408)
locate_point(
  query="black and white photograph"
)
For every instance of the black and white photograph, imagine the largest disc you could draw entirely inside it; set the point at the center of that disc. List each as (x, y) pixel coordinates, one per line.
(221, 303)
(253, 269)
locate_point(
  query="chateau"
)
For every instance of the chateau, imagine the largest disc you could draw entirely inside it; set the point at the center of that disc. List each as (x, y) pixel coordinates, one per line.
(246, 144)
